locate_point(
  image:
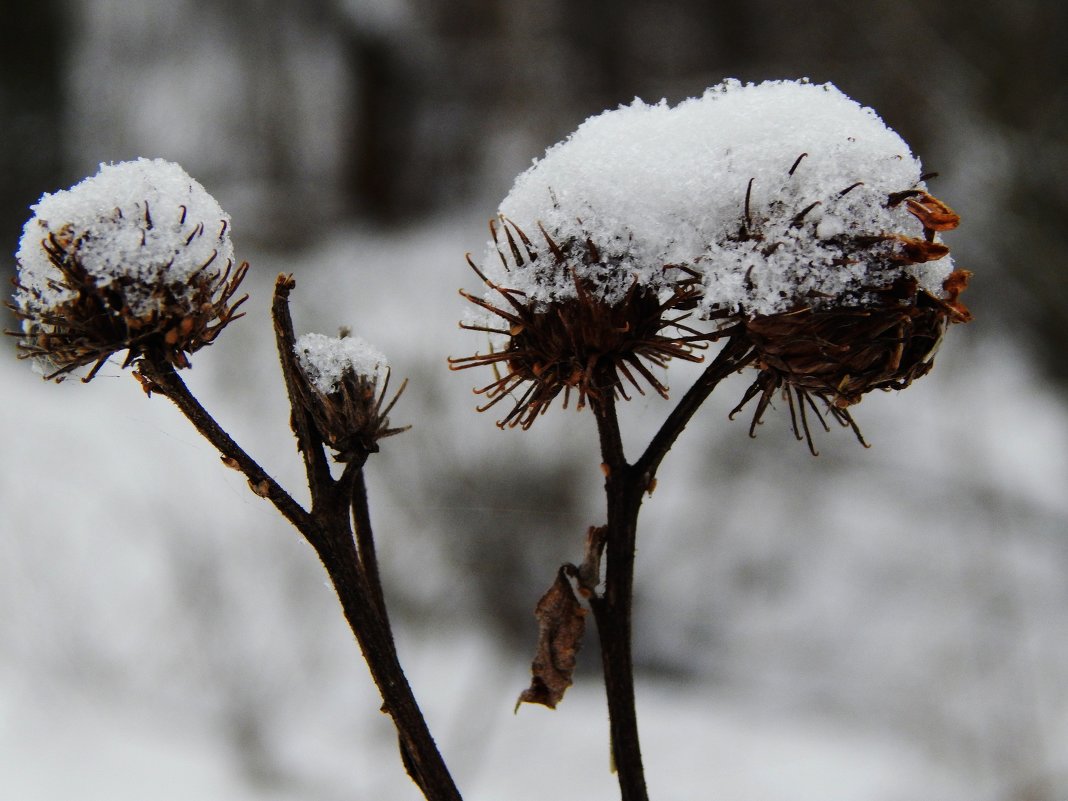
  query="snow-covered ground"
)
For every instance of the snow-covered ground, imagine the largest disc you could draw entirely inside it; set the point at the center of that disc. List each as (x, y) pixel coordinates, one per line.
(886, 624)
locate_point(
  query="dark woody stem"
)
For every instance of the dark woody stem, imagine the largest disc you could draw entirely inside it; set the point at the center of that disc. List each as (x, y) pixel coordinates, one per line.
(352, 565)
(337, 505)
(612, 607)
(365, 543)
(625, 487)
(327, 530)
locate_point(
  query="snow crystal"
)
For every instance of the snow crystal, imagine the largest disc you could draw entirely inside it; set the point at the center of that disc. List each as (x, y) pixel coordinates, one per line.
(145, 220)
(654, 185)
(326, 359)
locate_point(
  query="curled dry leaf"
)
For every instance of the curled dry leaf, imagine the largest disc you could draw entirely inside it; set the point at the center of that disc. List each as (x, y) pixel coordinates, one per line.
(561, 622)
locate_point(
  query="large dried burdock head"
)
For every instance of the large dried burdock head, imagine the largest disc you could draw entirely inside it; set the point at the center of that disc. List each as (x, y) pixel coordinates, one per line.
(882, 332)
(137, 258)
(781, 213)
(345, 386)
(585, 337)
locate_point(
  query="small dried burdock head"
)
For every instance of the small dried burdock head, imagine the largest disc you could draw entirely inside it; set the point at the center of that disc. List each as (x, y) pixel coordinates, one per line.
(345, 389)
(569, 318)
(137, 258)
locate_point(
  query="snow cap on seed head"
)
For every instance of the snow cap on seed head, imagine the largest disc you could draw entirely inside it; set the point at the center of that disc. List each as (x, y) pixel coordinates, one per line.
(344, 386)
(137, 257)
(650, 185)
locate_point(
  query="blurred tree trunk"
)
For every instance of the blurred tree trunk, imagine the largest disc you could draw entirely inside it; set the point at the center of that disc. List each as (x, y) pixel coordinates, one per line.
(384, 108)
(31, 108)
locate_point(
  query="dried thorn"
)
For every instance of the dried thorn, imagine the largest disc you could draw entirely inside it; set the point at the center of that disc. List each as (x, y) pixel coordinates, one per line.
(222, 229)
(594, 255)
(196, 232)
(815, 408)
(802, 398)
(750, 393)
(894, 198)
(181, 218)
(491, 308)
(484, 329)
(793, 414)
(531, 252)
(850, 188)
(796, 163)
(511, 242)
(148, 217)
(648, 376)
(554, 248)
(497, 244)
(630, 377)
(800, 216)
(748, 196)
(478, 272)
(853, 425)
(762, 406)
(927, 176)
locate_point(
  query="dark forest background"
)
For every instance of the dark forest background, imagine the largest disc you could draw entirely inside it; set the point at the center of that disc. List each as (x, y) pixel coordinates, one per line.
(397, 109)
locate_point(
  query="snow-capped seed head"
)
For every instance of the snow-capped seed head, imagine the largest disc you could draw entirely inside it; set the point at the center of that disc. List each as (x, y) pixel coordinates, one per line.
(787, 200)
(137, 257)
(580, 341)
(346, 381)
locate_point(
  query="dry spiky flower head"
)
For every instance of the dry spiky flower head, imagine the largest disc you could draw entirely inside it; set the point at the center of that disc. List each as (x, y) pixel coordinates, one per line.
(137, 258)
(881, 335)
(582, 341)
(345, 386)
(783, 213)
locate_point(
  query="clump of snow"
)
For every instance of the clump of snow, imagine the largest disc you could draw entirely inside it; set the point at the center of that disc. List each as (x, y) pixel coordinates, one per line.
(325, 360)
(654, 185)
(142, 222)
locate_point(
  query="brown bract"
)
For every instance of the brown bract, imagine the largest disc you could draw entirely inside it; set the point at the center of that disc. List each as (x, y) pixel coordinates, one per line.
(837, 354)
(581, 344)
(97, 321)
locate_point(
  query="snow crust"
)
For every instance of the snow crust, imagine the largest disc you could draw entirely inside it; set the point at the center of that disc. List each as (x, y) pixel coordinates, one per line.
(326, 359)
(145, 220)
(654, 185)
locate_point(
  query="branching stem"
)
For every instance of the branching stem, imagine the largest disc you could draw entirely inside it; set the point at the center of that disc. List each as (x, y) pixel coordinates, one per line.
(337, 505)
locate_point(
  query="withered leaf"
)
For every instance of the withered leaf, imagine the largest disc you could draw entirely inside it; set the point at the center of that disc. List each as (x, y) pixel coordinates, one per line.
(561, 622)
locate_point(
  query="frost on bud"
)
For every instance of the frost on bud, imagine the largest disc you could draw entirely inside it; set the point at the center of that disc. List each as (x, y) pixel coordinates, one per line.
(344, 389)
(137, 258)
(783, 212)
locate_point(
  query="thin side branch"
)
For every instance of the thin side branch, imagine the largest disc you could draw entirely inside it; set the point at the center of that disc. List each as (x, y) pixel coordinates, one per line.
(157, 375)
(309, 442)
(734, 355)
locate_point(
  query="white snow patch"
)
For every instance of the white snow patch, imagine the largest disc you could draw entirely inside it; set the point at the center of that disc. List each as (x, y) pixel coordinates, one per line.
(326, 359)
(654, 185)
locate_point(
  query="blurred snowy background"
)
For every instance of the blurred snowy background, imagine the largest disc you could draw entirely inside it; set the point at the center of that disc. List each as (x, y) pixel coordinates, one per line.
(886, 625)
